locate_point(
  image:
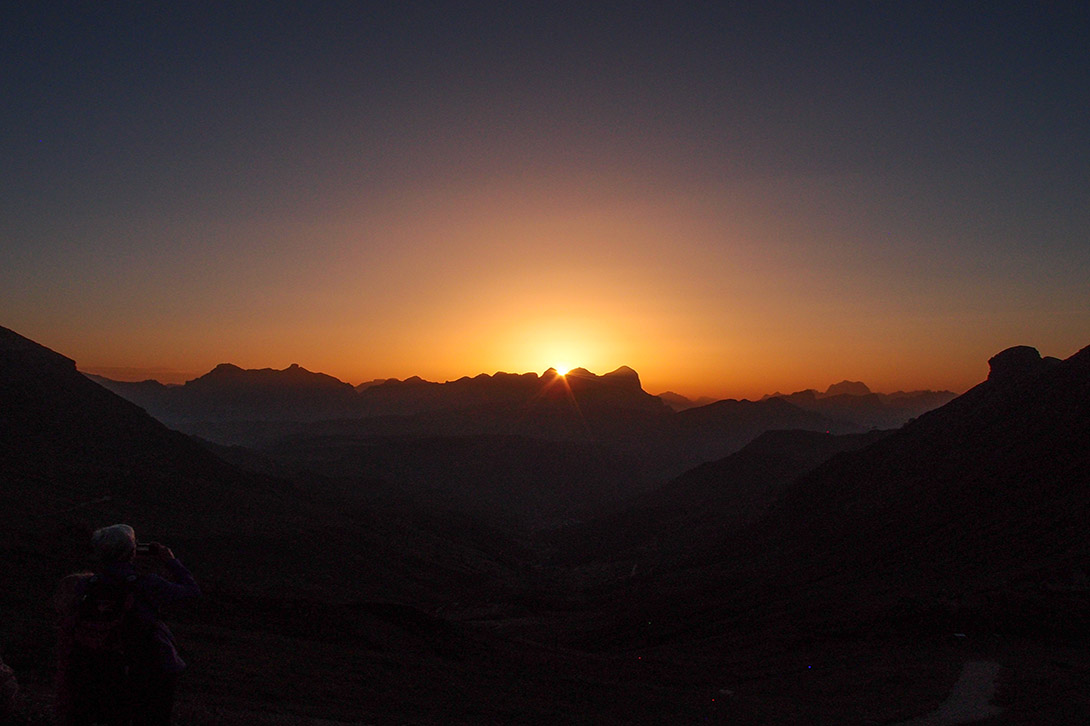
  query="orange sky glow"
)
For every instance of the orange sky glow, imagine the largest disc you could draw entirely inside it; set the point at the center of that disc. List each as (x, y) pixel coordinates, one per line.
(730, 200)
(698, 296)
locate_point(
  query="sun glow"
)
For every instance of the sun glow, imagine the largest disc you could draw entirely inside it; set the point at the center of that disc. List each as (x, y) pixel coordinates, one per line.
(559, 343)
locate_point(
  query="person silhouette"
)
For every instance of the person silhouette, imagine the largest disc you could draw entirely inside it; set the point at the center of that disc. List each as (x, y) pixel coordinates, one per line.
(117, 660)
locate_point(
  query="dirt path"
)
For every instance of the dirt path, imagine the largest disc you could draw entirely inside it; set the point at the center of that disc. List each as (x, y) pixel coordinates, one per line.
(969, 699)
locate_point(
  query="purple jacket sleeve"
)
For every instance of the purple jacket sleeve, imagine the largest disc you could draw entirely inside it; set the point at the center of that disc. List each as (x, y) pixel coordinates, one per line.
(161, 592)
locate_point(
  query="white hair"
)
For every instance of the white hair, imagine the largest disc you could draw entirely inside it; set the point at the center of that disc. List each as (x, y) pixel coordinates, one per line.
(114, 543)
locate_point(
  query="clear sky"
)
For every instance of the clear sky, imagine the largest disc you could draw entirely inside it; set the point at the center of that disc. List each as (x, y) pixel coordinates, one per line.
(730, 198)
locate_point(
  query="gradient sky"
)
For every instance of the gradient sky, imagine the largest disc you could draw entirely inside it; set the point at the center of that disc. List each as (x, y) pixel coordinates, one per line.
(732, 198)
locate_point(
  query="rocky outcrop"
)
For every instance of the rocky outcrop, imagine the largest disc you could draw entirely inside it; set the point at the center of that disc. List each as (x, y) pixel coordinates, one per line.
(848, 388)
(1021, 361)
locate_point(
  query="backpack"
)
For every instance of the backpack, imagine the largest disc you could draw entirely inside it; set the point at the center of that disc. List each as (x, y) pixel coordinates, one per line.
(105, 619)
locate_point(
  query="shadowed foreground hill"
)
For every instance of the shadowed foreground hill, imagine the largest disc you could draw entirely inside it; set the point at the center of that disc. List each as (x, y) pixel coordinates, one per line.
(74, 455)
(985, 499)
(971, 518)
(713, 502)
(271, 555)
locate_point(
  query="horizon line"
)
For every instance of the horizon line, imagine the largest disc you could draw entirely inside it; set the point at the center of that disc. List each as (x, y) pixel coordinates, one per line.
(137, 374)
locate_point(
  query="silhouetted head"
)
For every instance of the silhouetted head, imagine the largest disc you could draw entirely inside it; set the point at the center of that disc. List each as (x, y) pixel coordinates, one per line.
(116, 543)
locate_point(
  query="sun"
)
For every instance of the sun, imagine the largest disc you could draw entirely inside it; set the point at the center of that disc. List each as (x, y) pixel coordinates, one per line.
(563, 368)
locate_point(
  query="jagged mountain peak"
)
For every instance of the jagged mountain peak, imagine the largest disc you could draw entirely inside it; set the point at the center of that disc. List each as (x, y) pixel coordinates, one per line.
(623, 372)
(848, 388)
(294, 375)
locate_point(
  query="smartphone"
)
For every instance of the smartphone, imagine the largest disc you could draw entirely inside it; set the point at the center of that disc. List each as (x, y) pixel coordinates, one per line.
(142, 548)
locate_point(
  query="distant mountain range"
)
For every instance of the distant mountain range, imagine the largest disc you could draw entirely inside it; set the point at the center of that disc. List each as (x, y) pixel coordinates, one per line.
(679, 402)
(854, 401)
(668, 434)
(229, 393)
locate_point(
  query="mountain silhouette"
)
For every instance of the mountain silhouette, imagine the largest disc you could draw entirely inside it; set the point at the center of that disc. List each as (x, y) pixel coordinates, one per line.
(318, 599)
(679, 402)
(86, 441)
(277, 411)
(986, 490)
(855, 403)
(969, 519)
(1018, 363)
(707, 504)
(74, 455)
(232, 394)
(711, 432)
(848, 388)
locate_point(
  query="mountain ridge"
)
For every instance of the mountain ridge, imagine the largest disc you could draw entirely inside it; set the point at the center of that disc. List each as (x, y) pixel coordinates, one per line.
(295, 393)
(229, 392)
(958, 522)
(662, 436)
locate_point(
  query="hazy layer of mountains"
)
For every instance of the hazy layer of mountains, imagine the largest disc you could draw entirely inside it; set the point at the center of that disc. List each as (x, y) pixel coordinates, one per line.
(806, 577)
(609, 417)
(854, 401)
(231, 394)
